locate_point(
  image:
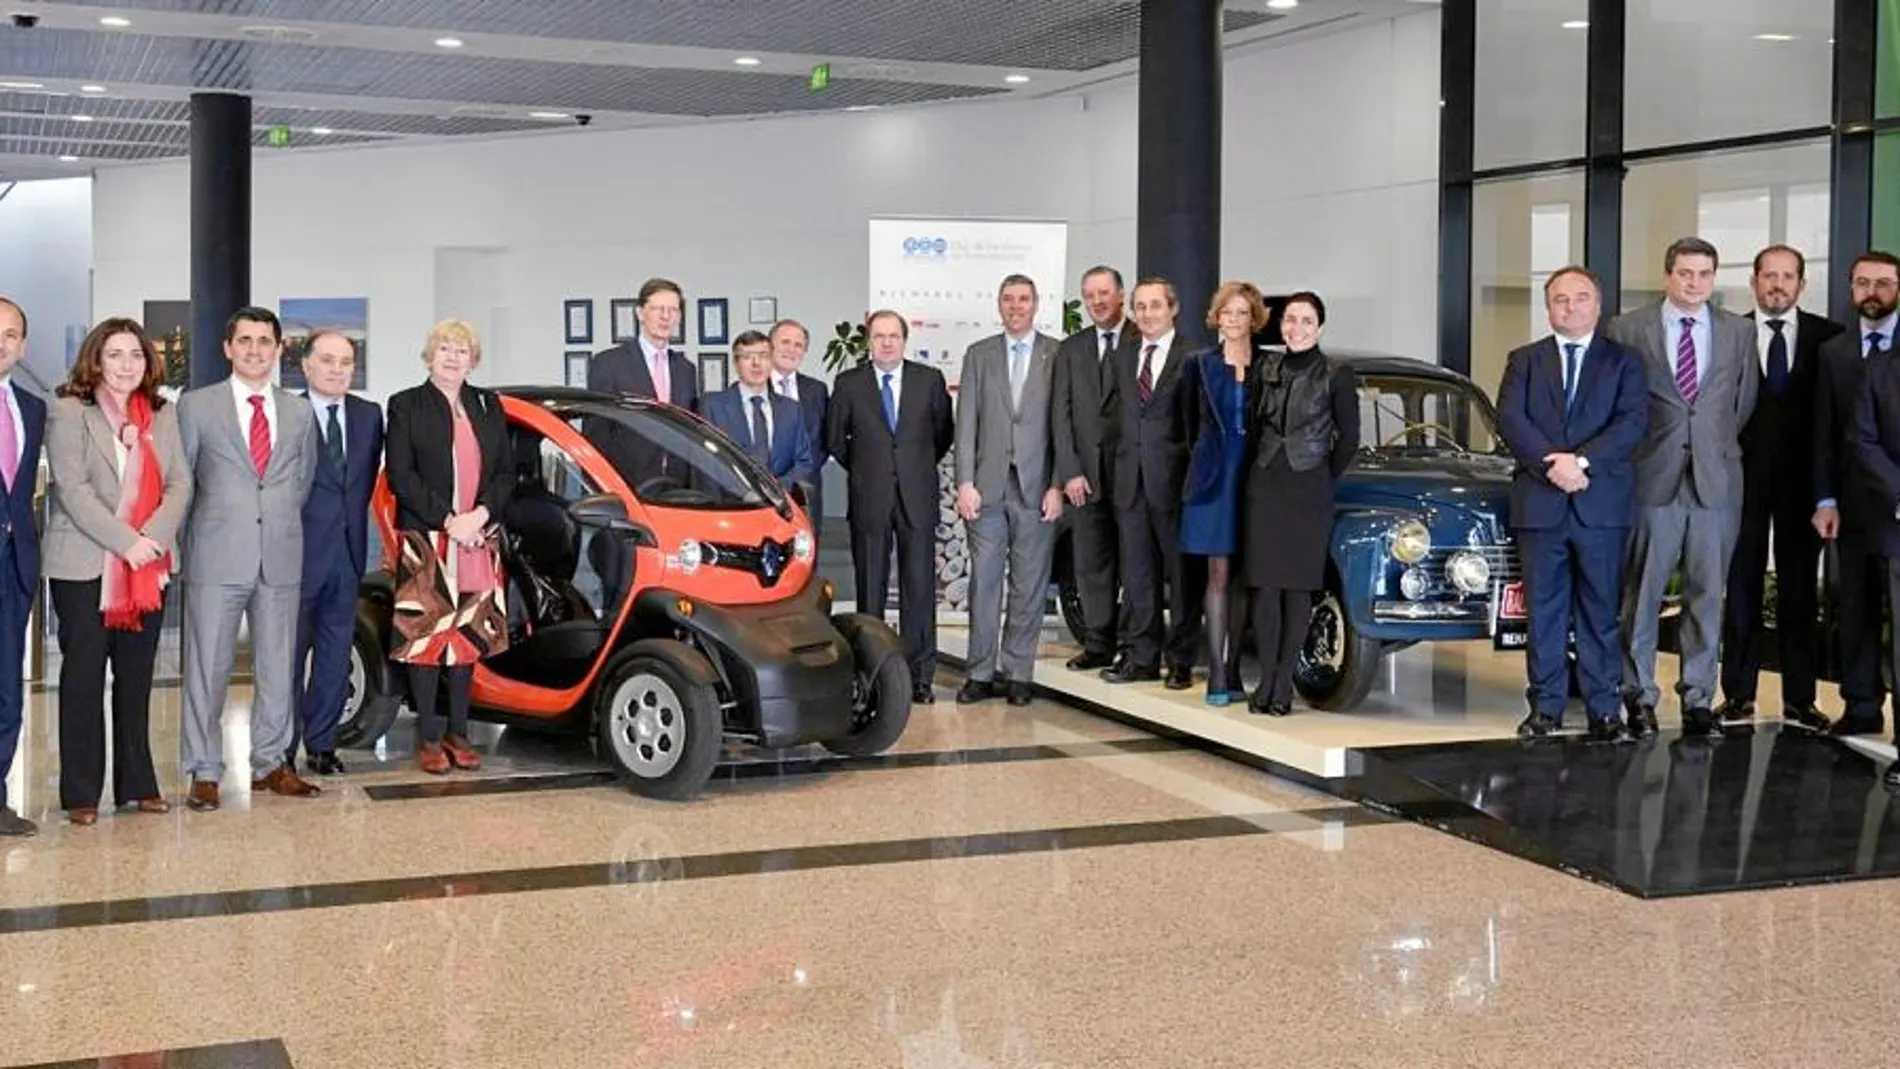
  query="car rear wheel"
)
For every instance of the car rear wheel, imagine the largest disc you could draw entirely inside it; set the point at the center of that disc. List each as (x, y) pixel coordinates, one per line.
(880, 709)
(657, 719)
(368, 708)
(1336, 665)
(1068, 591)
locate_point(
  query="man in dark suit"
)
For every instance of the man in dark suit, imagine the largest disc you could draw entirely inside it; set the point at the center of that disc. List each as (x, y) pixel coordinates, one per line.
(1854, 509)
(1573, 407)
(889, 425)
(22, 430)
(644, 367)
(336, 514)
(770, 427)
(1777, 494)
(1156, 421)
(1084, 429)
(789, 344)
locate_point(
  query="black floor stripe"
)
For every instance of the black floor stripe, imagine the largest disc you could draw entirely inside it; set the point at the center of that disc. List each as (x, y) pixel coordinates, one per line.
(263, 1054)
(100, 914)
(748, 771)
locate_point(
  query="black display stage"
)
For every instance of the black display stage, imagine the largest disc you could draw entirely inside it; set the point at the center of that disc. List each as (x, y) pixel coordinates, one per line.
(1663, 817)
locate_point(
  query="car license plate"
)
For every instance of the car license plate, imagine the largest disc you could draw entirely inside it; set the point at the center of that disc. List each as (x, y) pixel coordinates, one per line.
(1510, 618)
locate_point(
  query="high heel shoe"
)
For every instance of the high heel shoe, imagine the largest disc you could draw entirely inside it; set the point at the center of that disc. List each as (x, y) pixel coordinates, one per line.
(84, 816)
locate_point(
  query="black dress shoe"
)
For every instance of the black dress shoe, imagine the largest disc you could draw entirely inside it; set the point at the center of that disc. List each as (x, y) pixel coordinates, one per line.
(1126, 671)
(1642, 721)
(1891, 780)
(923, 694)
(1849, 726)
(15, 826)
(1090, 659)
(1608, 729)
(1804, 717)
(1020, 693)
(975, 690)
(1698, 720)
(1537, 725)
(1260, 706)
(325, 764)
(1180, 677)
(1736, 717)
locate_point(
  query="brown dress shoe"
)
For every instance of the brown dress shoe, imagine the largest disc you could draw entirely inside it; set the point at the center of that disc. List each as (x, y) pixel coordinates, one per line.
(152, 805)
(432, 759)
(203, 796)
(461, 754)
(85, 816)
(282, 780)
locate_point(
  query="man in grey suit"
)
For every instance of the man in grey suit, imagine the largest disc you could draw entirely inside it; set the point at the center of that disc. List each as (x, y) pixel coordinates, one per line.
(252, 451)
(1007, 491)
(1703, 379)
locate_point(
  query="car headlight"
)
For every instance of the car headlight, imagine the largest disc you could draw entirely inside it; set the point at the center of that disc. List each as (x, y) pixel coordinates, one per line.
(1409, 541)
(690, 556)
(1469, 572)
(801, 545)
(1414, 584)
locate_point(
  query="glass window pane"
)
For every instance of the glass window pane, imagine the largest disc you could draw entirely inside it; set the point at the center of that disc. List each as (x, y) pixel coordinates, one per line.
(1887, 56)
(1737, 201)
(1529, 81)
(1697, 70)
(1886, 192)
(1522, 231)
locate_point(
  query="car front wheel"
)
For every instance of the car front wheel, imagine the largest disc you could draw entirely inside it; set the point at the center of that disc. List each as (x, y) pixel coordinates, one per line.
(368, 708)
(657, 719)
(1336, 665)
(880, 709)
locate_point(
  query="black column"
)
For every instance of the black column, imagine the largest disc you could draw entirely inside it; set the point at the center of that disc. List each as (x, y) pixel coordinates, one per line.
(1177, 205)
(1457, 112)
(1603, 148)
(220, 225)
(1851, 210)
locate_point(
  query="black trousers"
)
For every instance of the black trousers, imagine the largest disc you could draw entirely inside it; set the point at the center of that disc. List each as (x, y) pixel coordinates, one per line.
(1797, 553)
(1280, 617)
(871, 541)
(429, 722)
(1153, 568)
(1093, 553)
(86, 647)
(1858, 599)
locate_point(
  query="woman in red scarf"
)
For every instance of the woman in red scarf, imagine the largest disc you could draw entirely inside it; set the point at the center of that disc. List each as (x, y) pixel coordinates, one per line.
(119, 489)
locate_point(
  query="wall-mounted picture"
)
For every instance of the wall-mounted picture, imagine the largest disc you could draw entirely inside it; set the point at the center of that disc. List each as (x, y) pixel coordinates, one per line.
(579, 315)
(626, 325)
(303, 316)
(168, 324)
(712, 321)
(576, 367)
(715, 373)
(761, 310)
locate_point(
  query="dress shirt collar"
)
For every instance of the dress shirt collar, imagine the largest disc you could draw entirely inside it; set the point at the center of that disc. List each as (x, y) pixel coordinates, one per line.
(746, 393)
(244, 393)
(651, 351)
(1583, 343)
(1673, 316)
(1010, 341)
(1883, 327)
(1162, 344)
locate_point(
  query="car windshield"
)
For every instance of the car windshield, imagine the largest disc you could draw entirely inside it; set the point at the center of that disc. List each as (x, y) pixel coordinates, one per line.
(1420, 415)
(672, 460)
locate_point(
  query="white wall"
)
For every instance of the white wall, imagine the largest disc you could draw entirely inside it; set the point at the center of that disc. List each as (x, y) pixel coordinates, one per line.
(1330, 183)
(46, 266)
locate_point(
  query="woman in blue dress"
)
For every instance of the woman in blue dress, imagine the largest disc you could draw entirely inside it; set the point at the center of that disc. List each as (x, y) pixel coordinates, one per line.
(1210, 521)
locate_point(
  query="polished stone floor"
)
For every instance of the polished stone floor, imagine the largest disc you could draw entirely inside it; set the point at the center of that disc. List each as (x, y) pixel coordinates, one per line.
(1011, 888)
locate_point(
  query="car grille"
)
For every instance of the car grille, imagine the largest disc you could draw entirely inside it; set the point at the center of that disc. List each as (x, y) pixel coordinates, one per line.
(1506, 567)
(766, 561)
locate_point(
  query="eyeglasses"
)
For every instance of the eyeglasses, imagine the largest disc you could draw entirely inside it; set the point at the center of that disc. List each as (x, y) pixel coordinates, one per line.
(1876, 284)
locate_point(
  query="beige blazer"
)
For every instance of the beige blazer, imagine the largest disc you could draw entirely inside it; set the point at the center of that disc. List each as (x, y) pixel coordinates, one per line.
(83, 460)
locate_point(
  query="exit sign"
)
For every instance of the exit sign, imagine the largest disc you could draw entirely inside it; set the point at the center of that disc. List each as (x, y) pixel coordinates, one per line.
(278, 136)
(820, 77)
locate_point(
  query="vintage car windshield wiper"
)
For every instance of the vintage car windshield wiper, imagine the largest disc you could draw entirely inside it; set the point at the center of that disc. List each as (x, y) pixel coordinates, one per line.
(1450, 436)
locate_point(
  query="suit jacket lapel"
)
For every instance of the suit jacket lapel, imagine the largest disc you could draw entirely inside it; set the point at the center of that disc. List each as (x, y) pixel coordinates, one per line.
(909, 397)
(1657, 340)
(227, 413)
(1587, 376)
(101, 435)
(287, 428)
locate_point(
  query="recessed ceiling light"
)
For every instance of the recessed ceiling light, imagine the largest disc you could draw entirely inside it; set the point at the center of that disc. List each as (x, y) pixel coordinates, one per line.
(92, 88)
(747, 61)
(82, 118)
(1577, 24)
(1016, 79)
(548, 115)
(115, 22)
(862, 107)
(322, 131)
(448, 42)
(69, 159)
(21, 85)
(1774, 37)
(1283, 5)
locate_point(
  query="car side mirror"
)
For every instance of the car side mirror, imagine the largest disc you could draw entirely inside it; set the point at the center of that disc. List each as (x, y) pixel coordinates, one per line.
(603, 511)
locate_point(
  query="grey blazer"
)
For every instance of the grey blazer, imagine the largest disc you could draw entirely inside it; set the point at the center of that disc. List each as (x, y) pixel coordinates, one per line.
(83, 461)
(1705, 440)
(242, 528)
(994, 431)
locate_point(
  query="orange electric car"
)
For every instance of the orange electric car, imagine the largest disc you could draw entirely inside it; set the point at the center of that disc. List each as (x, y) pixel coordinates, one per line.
(662, 594)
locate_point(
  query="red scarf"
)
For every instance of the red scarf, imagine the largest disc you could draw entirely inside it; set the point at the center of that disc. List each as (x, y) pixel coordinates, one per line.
(127, 594)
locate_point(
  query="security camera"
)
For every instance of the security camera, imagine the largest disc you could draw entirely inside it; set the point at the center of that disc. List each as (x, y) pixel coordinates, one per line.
(583, 119)
(25, 20)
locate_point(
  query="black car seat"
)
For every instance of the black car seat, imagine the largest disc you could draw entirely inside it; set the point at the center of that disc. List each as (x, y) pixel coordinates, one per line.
(545, 540)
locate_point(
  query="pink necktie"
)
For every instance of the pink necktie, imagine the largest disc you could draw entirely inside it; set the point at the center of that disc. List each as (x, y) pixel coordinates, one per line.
(9, 443)
(662, 376)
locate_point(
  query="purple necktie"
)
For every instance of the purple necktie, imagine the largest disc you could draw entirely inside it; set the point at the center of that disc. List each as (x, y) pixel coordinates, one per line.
(9, 444)
(1685, 362)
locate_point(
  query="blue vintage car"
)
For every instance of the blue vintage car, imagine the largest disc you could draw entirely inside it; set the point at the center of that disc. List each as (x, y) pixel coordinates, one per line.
(1422, 547)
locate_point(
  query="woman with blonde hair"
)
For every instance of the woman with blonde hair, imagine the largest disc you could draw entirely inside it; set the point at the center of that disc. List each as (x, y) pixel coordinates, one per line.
(446, 460)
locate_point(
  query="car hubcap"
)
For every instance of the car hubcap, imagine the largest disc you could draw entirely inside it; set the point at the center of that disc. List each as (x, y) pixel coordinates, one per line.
(359, 674)
(647, 726)
(1323, 654)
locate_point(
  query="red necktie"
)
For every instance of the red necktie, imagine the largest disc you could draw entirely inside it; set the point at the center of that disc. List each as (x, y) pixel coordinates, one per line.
(260, 435)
